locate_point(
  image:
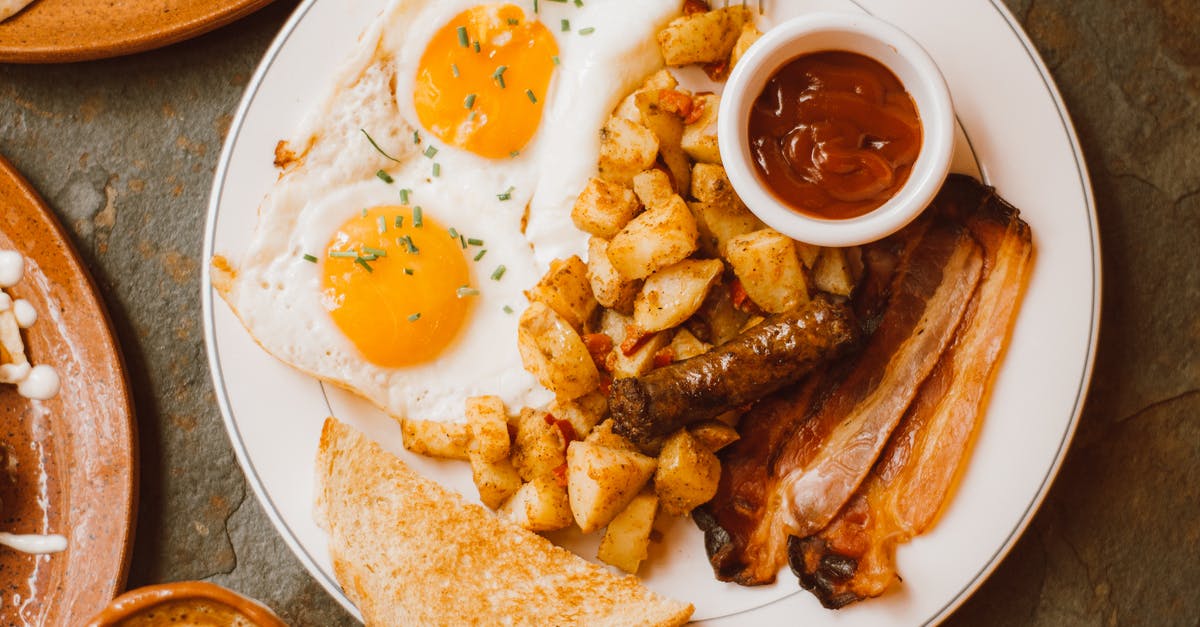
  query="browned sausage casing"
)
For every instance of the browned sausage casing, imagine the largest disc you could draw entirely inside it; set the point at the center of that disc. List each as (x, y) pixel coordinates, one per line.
(777, 352)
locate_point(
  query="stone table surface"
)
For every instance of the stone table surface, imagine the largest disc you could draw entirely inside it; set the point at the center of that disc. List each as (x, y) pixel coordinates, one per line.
(124, 151)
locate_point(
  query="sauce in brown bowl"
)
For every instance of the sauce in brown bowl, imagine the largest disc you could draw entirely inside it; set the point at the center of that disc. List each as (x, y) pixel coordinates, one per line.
(834, 134)
(185, 604)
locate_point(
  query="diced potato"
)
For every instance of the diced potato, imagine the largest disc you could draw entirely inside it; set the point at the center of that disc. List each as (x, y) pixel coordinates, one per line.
(657, 238)
(808, 253)
(714, 435)
(538, 448)
(662, 79)
(626, 148)
(626, 541)
(687, 474)
(854, 261)
(540, 505)
(603, 435)
(583, 413)
(497, 481)
(702, 37)
(720, 222)
(766, 263)
(641, 360)
(685, 345)
(604, 208)
(566, 289)
(449, 440)
(553, 352)
(746, 38)
(700, 137)
(674, 293)
(488, 421)
(831, 273)
(722, 320)
(610, 288)
(653, 187)
(710, 183)
(731, 417)
(601, 481)
(668, 128)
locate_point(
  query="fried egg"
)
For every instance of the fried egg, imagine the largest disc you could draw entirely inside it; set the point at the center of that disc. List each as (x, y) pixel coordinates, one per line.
(431, 187)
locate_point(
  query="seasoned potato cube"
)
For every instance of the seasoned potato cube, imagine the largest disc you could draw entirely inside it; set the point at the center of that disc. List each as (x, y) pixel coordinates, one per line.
(566, 289)
(657, 238)
(714, 435)
(710, 183)
(854, 262)
(489, 427)
(554, 353)
(668, 128)
(832, 273)
(640, 359)
(540, 505)
(626, 541)
(449, 440)
(583, 413)
(808, 253)
(685, 346)
(687, 474)
(610, 288)
(539, 447)
(720, 222)
(653, 187)
(604, 208)
(662, 79)
(601, 481)
(700, 137)
(603, 435)
(626, 148)
(702, 37)
(721, 319)
(496, 480)
(746, 38)
(766, 263)
(674, 293)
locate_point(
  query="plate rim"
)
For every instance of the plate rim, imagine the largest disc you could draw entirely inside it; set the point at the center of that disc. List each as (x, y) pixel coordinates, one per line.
(131, 486)
(968, 589)
(137, 41)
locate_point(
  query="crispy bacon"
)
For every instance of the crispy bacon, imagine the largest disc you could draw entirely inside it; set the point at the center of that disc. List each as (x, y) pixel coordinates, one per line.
(804, 452)
(853, 558)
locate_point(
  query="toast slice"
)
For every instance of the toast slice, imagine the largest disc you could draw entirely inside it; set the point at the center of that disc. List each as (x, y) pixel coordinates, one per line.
(409, 552)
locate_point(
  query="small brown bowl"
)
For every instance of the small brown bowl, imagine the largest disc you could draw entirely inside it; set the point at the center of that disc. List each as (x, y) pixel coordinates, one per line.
(185, 604)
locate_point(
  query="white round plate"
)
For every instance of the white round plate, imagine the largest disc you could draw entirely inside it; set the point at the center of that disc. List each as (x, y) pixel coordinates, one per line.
(1014, 132)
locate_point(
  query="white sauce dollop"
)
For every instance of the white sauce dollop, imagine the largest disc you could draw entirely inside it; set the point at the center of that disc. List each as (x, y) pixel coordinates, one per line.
(12, 268)
(41, 384)
(34, 543)
(25, 313)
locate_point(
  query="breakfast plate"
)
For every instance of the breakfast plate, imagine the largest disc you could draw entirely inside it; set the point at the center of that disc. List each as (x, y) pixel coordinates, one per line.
(1014, 133)
(71, 461)
(61, 31)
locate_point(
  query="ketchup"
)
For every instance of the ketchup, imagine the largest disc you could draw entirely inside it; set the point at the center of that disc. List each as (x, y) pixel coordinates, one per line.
(834, 134)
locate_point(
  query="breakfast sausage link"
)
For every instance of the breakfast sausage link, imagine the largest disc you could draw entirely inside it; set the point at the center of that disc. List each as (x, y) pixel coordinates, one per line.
(776, 353)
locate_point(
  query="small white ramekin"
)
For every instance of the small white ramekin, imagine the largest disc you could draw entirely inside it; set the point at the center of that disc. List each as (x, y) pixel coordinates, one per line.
(849, 32)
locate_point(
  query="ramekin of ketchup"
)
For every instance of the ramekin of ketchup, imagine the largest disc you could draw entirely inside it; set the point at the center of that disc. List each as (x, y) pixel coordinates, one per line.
(836, 129)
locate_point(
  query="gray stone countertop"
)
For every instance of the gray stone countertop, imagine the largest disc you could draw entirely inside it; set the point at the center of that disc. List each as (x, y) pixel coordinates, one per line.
(124, 150)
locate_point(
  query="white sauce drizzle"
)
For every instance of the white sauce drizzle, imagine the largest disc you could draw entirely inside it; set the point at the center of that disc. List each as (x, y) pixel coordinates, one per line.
(41, 384)
(37, 544)
(25, 313)
(12, 268)
(38, 382)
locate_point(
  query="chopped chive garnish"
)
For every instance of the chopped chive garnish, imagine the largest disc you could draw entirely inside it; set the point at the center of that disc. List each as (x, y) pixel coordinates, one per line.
(474, 241)
(566, 25)
(437, 169)
(385, 177)
(430, 151)
(514, 153)
(535, 6)
(462, 37)
(364, 213)
(507, 194)
(556, 60)
(311, 259)
(404, 196)
(467, 291)
(399, 222)
(363, 262)
(378, 252)
(414, 317)
(529, 94)
(408, 271)
(587, 31)
(508, 309)
(412, 248)
(416, 137)
(343, 254)
(471, 117)
(579, 3)
(381, 224)
(454, 70)
(367, 257)
(376, 146)
(480, 255)
(462, 239)
(499, 75)
(470, 101)
(512, 21)
(417, 214)
(476, 45)
(499, 273)
(453, 233)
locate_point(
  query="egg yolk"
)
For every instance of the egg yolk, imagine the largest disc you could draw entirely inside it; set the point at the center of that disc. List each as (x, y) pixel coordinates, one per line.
(398, 293)
(482, 80)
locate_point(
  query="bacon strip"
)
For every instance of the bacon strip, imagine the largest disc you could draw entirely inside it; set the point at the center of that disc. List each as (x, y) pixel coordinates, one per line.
(803, 453)
(854, 557)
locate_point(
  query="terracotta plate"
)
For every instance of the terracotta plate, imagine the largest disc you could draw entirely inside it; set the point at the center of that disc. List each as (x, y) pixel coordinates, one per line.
(58, 31)
(75, 454)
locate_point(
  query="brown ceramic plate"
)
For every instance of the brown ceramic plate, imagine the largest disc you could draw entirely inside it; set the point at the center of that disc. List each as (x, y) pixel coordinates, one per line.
(75, 454)
(58, 31)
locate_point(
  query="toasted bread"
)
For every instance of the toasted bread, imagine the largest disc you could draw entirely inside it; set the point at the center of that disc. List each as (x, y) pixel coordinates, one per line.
(409, 552)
